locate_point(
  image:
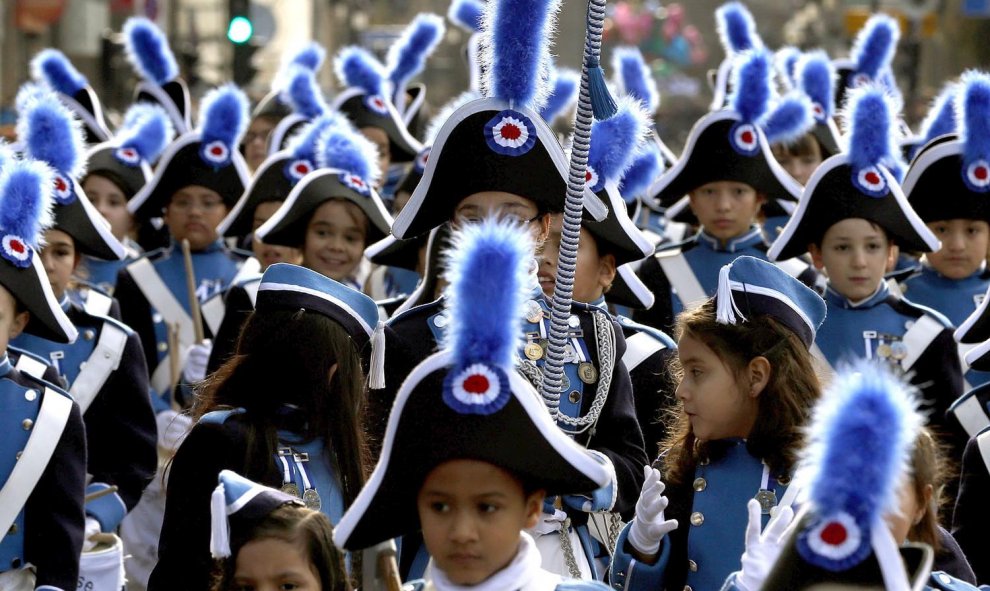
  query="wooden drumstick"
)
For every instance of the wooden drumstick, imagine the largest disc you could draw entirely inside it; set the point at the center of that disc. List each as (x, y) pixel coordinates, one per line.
(194, 310)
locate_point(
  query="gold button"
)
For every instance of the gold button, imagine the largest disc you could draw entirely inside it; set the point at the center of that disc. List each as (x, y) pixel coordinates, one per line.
(27, 424)
(89, 334)
(692, 566)
(574, 396)
(700, 484)
(704, 462)
(697, 518)
(162, 347)
(31, 395)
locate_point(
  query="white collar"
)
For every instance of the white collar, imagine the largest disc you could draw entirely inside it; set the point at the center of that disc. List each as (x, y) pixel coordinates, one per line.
(516, 575)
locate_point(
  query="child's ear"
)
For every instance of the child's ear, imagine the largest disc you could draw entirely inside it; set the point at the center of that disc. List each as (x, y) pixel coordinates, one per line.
(534, 508)
(816, 256)
(606, 271)
(759, 375)
(544, 228)
(19, 322)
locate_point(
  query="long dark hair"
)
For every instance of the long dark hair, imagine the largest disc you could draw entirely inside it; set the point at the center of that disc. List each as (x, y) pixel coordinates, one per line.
(285, 359)
(310, 531)
(784, 405)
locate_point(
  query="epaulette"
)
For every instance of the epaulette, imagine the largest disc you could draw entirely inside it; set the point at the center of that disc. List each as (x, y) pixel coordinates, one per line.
(909, 308)
(946, 582)
(151, 255)
(219, 417)
(675, 248)
(116, 324)
(656, 333)
(25, 353)
(390, 305)
(902, 275)
(411, 311)
(45, 385)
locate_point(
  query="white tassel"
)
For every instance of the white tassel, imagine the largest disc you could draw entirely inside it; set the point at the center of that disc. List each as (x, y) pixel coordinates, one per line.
(376, 379)
(727, 312)
(219, 526)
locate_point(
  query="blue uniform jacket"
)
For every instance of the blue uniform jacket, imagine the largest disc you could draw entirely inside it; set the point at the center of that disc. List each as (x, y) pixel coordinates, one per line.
(121, 433)
(712, 516)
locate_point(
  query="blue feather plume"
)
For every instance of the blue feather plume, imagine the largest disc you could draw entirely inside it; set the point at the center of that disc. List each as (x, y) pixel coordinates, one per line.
(309, 56)
(28, 93)
(736, 28)
(52, 133)
(860, 441)
(752, 84)
(466, 14)
(436, 123)
(615, 141)
(941, 117)
(54, 69)
(786, 59)
(148, 51)
(26, 199)
(302, 92)
(487, 272)
(6, 154)
(791, 118)
(875, 44)
(565, 83)
(870, 113)
(357, 68)
(224, 116)
(348, 150)
(406, 57)
(303, 144)
(516, 50)
(973, 106)
(816, 78)
(633, 76)
(646, 166)
(148, 129)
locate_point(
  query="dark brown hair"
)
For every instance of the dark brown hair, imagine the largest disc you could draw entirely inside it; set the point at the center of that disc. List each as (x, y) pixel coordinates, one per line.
(784, 405)
(310, 531)
(284, 359)
(803, 146)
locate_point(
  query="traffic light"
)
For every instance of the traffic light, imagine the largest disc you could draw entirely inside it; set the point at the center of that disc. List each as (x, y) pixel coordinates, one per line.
(240, 30)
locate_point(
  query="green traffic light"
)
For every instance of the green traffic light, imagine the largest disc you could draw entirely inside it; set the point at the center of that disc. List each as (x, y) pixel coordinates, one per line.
(240, 29)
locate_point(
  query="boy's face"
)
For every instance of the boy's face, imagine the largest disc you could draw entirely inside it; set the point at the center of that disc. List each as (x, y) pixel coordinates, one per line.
(800, 166)
(471, 513)
(593, 273)
(269, 254)
(855, 254)
(725, 209)
(478, 206)
(59, 258)
(11, 323)
(964, 247)
(193, 214)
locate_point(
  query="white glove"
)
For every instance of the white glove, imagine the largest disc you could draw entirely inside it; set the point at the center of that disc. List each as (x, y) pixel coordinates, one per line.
(549, 522)
(92, 528)
(649, 526)
(763, 549)
(196, 361)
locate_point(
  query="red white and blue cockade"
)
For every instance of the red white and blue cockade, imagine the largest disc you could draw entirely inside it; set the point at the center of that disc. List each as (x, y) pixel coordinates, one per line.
(216, 153)
(510, 133)
(479, 389)
(355, 182)
(744, 139)
(377, 104)
(977, 176)
(835, 543)
(16, 250)
(591, 179)
(295, 170)
(871, 181)
(819, 112)
(128, 156)
(422, 159)
(64, 192)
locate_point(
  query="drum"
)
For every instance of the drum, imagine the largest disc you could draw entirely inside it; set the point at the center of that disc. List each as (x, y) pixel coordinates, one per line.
(102, 567)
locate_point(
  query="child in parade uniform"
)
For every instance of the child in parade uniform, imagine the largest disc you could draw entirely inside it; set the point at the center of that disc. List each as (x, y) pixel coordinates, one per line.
(729, 173)
(115, 171)
(851, 212)
(953, 280)
(44, 443)
(970, 516)
(104, 369)
(266, 539)
(493, 453)
(518, 172)
(298, 429)
(860, 472)
(746, 389)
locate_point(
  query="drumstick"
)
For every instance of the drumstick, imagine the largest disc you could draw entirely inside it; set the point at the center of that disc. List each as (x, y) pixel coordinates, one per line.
(100, 493)
(194, 311)
(173, 354)
(389, 571)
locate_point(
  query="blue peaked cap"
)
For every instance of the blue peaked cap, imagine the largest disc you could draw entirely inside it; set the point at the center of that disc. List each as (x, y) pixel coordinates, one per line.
(749, 286)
